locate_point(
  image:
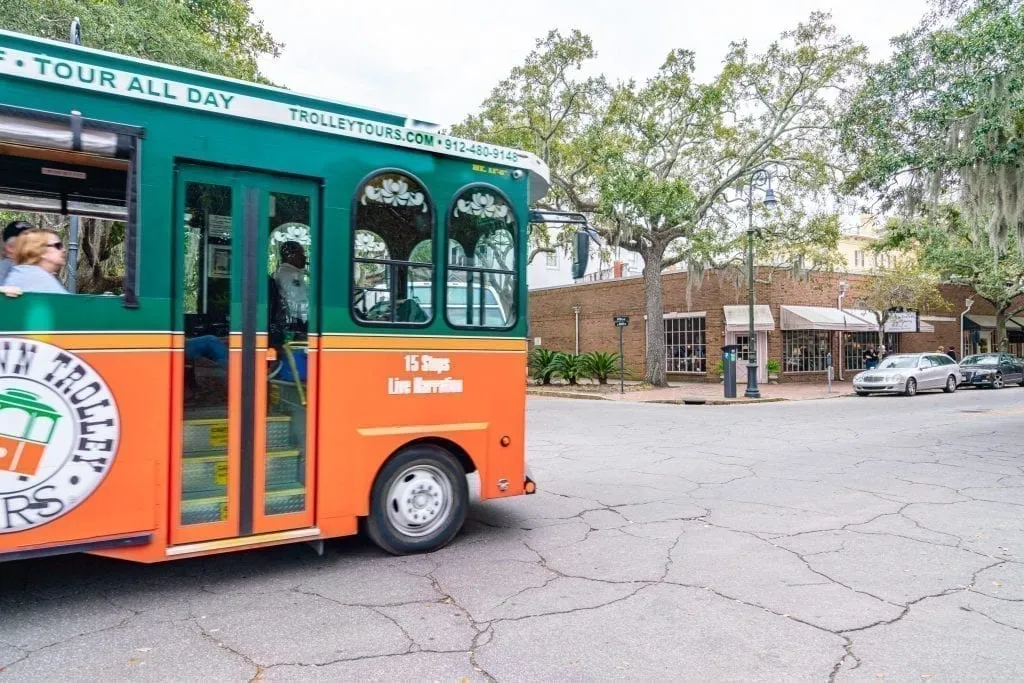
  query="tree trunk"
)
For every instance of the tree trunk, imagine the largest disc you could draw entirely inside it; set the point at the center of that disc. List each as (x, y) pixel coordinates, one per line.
(1000, 342)
(655, 310)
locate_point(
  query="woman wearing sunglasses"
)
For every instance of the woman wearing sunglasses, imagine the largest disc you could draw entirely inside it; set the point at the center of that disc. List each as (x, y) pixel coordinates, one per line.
(38, 258)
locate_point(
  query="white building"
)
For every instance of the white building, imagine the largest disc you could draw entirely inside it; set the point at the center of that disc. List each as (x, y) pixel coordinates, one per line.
(605, 263)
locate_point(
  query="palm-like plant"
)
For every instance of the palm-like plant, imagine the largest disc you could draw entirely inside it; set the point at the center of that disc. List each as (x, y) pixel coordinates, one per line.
(600, 365)
(542, 365)
(570, 367)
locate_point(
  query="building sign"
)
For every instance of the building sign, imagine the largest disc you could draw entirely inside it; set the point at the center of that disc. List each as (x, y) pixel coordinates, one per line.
(902, 321)
(59, 432)
(49, 69)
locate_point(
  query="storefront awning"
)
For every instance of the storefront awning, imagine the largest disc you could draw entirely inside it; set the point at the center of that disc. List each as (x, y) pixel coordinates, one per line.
(823, 318)
(872, 319)
(976, 321)
(737, 318)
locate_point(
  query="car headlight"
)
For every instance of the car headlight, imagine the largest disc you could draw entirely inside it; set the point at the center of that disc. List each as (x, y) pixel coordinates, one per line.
(897, 378)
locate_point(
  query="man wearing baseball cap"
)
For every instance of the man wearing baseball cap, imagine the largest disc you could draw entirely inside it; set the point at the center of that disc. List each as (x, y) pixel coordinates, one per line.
(11, 233)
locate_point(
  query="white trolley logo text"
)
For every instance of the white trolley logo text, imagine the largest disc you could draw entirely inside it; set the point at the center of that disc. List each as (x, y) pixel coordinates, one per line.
(59, 432)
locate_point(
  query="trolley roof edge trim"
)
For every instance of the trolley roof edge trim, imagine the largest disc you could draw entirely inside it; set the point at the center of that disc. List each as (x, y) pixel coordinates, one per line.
(442, 145)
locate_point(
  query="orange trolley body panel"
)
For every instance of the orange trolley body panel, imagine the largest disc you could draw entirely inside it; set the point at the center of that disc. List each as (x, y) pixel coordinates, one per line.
(59, 500)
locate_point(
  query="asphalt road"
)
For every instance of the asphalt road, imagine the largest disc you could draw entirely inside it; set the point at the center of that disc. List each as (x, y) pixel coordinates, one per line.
(850, 539)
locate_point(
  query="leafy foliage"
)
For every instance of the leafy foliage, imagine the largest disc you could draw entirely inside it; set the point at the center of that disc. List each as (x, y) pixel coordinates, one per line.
(661, 166)
(943, 242)
(542, 364)
(943, 119)
(600, 365)
(217, 36)
(904, 286)
(570, 366)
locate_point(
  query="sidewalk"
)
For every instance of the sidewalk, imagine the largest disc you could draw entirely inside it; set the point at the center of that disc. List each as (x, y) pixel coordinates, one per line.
(696, 393)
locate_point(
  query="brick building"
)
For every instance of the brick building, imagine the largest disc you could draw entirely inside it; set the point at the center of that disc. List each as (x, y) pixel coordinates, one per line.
(798, 322)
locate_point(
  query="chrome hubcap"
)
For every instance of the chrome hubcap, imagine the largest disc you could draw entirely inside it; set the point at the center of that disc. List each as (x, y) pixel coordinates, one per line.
(998, 382)
(419, 500)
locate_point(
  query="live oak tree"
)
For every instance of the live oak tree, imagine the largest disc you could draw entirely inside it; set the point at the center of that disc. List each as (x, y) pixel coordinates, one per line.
(216, 36)
(660, 166)
(674, 190)
(942, 119)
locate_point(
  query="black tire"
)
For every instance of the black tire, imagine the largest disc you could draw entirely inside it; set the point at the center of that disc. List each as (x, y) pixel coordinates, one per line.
(998, 382)
(950, 384)
(437, 495)
(863, 393)
(911, 388)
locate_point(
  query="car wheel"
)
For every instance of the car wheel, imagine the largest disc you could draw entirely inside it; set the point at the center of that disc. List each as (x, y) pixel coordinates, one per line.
(911, 387)
(997, 382)
(950, 385)
(861, 393)
(419, 501)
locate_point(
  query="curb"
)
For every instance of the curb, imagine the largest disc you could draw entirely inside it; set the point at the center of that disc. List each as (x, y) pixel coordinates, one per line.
(692, 401)
(715, 401)
(566, 394)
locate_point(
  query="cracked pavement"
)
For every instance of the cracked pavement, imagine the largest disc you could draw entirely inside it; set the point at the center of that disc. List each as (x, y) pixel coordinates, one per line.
(842, 540)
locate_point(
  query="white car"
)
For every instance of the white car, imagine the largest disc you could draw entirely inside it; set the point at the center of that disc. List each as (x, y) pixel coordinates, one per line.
(908, 373)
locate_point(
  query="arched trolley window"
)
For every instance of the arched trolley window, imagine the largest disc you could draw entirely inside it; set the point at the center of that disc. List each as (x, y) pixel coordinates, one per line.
(481, 260)
(393, 261)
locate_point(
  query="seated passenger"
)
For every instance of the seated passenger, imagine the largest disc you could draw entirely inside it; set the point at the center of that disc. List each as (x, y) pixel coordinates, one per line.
(38, 257)
(11, 233)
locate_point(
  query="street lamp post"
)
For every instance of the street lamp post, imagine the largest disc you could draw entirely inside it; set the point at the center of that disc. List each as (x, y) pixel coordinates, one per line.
(759, 178)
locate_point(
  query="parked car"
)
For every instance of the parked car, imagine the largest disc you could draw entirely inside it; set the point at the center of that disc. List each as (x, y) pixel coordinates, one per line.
(908, 373)
(994, 370)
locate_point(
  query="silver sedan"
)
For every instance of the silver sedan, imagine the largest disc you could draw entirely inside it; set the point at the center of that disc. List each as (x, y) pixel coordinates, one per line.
(908, 373)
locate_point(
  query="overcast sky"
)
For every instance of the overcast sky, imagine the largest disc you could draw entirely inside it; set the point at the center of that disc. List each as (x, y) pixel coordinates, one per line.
(436, 60)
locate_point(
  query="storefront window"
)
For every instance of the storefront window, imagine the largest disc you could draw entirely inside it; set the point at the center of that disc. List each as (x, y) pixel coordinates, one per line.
(685, 345)
(857, 342)
(804, 350)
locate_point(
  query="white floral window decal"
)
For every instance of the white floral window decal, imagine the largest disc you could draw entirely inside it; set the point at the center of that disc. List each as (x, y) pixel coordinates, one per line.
(394, 192)
(485, 205)
(291, 232)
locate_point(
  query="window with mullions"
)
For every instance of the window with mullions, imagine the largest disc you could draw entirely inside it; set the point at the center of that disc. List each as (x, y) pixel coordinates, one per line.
(686, 344)
(856, 343)
(804, 350)
(392, 251)
(481, 264)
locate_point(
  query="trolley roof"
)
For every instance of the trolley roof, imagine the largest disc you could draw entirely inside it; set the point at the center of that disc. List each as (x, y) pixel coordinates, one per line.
(58, 63)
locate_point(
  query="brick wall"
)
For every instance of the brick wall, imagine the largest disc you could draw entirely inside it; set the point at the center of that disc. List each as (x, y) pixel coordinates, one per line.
(552, 319)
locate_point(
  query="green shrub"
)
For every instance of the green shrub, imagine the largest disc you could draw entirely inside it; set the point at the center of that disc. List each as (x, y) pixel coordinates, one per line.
(772, 366)
(600, 365)
(542, 364)
(570, 367)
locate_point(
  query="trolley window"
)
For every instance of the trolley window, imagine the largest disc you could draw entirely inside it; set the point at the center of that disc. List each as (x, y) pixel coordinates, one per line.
(481, 260)
(55, 168)
(392, 250)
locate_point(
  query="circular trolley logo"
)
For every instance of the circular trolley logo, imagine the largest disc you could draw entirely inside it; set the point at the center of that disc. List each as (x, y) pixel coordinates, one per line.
(59, 430)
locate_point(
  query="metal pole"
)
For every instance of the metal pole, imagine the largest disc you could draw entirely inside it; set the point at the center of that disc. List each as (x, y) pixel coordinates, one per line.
(73, 256)
(576, 312)
(622, 366)
(752, 391)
